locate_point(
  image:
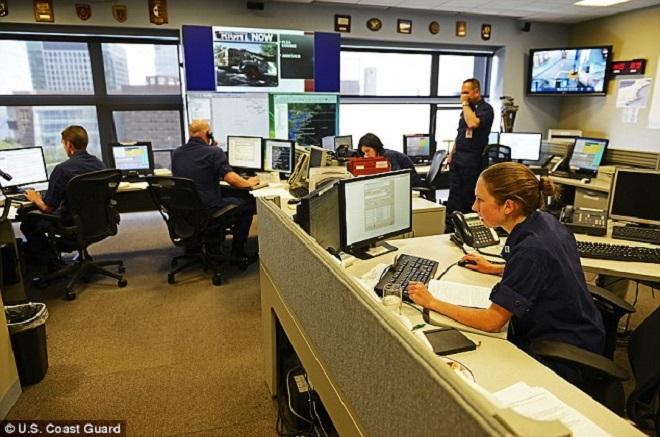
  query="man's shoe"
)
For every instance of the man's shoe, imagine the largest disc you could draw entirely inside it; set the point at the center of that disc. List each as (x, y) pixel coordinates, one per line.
(243, 260)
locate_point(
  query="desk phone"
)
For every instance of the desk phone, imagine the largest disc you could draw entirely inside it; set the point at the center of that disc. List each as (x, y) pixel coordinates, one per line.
(471, 231)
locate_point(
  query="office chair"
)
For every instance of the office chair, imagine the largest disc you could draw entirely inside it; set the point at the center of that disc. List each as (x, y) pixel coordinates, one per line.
(494, 153)
(435, 179)
(603, 377)
(191, 226)
(90, 203)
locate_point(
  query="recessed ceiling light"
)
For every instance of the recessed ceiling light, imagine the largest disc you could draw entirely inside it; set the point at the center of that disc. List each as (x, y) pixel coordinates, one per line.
(601, 3)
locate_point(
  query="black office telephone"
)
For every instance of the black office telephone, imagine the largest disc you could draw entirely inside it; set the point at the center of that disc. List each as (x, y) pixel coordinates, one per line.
(555, 163)
(584, 220)
(471, 231)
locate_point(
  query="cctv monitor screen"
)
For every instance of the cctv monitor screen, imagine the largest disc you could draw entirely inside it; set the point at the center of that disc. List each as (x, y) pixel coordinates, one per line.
(580, 70)
(635, 196)
(278, 155)
(587, 154)
(244, 152)
(524, 146)
(494, 138)
(344, 140)
(26, 166)
(375, 207)
(417, 147)
(133, 158)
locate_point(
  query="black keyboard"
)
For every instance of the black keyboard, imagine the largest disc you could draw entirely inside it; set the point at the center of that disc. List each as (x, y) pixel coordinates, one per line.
(18, 197)
(569, 175)
(299, 192)
(617, 252)
(407, 268)
(637, 233)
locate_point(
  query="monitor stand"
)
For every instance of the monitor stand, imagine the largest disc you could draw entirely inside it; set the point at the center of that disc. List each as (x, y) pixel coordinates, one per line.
(373, 250)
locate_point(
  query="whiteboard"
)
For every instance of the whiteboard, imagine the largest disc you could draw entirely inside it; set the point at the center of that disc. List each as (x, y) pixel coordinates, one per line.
(241, 114)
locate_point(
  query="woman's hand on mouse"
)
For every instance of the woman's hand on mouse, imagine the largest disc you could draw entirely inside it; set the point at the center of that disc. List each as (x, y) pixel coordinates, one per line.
(480, 264)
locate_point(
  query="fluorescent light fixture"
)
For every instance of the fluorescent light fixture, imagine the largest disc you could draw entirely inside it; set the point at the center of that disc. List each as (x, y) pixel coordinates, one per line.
(600, 3)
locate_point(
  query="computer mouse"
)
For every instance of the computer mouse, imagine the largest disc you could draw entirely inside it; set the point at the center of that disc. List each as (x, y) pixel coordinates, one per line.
(293, 201)
(585, 180)
(465, 262)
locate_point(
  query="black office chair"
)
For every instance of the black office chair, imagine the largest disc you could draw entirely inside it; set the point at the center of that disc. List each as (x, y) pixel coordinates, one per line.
(191, 226)
(435, 178)
(603, 377)
(494, 153)
(90, 202)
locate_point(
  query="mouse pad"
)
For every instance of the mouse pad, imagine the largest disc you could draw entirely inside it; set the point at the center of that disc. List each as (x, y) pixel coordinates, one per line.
(446, 341)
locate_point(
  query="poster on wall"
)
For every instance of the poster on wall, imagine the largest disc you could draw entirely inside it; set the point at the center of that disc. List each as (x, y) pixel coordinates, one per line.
(262, 60)
(633, 93)
(654, 113)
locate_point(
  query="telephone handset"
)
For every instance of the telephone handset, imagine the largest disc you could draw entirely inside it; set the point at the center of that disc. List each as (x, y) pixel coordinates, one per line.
(555, 163)
(471, 231)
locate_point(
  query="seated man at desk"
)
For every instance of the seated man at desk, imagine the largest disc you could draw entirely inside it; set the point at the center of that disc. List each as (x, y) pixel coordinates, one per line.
(74, 141)
(371, 146)
(201, 160)
(542, 293)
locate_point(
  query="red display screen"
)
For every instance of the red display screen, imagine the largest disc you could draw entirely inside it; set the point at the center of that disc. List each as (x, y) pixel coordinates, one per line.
(636, 66)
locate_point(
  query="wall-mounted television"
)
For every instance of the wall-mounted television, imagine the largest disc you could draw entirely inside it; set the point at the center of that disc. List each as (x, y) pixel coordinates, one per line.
(569, 71)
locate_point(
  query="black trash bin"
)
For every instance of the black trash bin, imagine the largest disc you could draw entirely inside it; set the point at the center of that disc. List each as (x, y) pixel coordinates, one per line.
(27, 328)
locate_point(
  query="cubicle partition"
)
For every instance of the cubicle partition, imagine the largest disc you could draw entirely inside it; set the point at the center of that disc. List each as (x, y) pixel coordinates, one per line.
(370, 372)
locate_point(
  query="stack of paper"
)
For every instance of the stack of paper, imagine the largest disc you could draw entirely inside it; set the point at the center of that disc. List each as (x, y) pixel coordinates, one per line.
(461, 294)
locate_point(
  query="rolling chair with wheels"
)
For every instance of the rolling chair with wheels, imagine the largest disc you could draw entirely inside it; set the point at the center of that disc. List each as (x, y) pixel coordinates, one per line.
(494, 153)
(435, 179)
(91, 205)
(191, 226)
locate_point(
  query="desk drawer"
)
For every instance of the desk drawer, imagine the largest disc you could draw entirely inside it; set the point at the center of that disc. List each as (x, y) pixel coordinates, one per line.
(590, 199)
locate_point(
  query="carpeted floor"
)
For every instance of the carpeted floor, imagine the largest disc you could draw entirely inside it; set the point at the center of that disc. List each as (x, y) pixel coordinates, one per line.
(182, 359)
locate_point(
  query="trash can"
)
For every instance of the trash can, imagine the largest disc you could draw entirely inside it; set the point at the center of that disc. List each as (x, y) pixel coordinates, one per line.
(27, 329)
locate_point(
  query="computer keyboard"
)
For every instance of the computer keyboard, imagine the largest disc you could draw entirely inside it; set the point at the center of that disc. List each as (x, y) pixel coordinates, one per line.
(19, 197)
(407, 268)
(299, 192)
(637, 233)
(617, 252)
(568, 175)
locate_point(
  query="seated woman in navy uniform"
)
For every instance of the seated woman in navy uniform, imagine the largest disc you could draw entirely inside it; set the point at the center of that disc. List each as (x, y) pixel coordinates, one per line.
(371, 147)
(542, 294)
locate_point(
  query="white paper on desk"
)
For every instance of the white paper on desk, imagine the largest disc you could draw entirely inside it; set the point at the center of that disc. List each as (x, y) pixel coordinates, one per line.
(538, 403)
(461, 294)
(369, 280)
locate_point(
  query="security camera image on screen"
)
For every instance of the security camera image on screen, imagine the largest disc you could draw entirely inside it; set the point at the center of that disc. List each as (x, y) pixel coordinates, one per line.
(587, 154)
(278, 156)
(569, 70)
(131, 157)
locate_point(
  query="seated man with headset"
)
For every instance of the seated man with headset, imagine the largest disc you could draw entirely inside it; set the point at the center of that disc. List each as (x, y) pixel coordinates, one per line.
(371, 146)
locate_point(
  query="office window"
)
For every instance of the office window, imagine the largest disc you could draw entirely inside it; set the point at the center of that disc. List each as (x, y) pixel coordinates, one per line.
(452, 71)
(385, 74)
(25, 126)
(388, 122)
(141, 68)
(161, 128)
(163, 159)
(45, 67)
(446, 123)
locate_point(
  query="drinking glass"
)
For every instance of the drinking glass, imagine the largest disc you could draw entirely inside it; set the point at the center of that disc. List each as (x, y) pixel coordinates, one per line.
(392, 296)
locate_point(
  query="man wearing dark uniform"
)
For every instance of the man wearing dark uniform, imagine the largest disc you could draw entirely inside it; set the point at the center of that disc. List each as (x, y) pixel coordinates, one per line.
(465, 159)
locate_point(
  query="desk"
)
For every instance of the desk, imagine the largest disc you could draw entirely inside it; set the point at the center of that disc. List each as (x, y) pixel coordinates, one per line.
(595, 194)
(368, 368)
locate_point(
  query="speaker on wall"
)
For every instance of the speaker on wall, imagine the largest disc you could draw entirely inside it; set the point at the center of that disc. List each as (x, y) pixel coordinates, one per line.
(255, 6)
(526, 26)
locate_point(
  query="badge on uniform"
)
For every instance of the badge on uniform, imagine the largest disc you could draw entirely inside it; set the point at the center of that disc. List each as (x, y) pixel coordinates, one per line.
(507, 249)
(468, 133)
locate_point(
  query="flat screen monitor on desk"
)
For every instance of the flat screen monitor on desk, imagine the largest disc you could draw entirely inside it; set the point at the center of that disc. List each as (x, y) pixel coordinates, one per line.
(635, 196)
(317, 156)
(318, 215)
(343, 140)
(25, 165)
(372, 209)
(525, 146)
(587, 155)
(134, 160)
(494, 138)
(417, 147)
(244, 152)
(278, 155)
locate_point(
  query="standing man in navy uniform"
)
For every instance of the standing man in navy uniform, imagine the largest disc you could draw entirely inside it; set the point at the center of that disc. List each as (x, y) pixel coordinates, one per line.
(38, 248)
(465, 158)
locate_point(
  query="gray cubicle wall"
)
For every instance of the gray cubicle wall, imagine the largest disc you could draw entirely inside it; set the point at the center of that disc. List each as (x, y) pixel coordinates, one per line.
(394, 386)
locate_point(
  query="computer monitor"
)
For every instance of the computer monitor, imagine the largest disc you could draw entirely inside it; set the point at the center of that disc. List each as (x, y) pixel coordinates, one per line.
(134, 159)
(328, 143)
(318, 215)
(278, 155)
(373, 208)
(525, 146)
(587, 155)
(343, 140)
(417, 147)
(317, 156)
(494, 138)
(635, 196)
(25, 165)
(244, 152)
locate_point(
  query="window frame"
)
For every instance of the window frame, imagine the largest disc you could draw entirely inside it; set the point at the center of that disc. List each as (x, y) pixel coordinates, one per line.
(104, 103)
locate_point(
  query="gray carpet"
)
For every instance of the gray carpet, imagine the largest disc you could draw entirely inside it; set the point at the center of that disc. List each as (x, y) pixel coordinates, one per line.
(182, 359)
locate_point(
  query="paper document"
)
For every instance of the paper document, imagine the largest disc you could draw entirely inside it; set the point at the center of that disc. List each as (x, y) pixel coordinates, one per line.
(538, 403)
(461, 294)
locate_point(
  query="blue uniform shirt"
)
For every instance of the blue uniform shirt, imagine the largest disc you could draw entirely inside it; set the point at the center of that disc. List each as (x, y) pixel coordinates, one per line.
(543, 286)
(78, 163)
(206, 165)
(468, 150)
(399, 161)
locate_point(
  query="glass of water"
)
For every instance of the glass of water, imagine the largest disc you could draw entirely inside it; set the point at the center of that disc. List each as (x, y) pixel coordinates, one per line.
(392, 295)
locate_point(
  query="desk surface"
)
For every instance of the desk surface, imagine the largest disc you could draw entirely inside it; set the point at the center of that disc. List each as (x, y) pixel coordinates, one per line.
(595, 183)
(496, 363)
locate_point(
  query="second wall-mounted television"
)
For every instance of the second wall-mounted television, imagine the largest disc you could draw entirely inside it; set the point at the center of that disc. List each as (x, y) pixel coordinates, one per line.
(569, 71)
